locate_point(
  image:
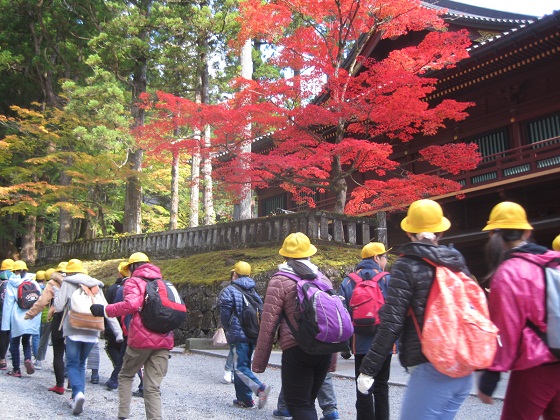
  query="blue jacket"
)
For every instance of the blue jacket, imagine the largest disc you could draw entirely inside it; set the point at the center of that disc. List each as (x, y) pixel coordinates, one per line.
(366, 269)
(231, 304)
(13, 316)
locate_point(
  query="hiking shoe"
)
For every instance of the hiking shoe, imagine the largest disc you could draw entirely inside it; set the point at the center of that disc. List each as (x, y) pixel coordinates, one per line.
(15, 373)
(331, 416)
(139, 393)
(29, 368)
(242, 404)
(111, 384)
(57, 389)
(3, 366)
(38, 364)
(78, 404)
(282, 414)
(262, 395)
(94, 379)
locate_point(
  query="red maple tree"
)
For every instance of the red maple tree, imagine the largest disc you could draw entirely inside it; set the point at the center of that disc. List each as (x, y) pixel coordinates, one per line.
(337, 113)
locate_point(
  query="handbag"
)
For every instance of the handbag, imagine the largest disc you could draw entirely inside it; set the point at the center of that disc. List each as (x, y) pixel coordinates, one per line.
(219, 338)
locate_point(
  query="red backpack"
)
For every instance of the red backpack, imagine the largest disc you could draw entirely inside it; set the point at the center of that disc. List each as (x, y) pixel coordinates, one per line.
(457, 336)
(27, 294)
(365, 303)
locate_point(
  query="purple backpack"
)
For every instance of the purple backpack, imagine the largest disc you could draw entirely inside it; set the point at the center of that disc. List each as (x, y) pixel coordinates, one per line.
(324, 324)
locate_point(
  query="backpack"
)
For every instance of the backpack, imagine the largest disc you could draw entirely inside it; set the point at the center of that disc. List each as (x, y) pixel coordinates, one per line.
(365, 303)
(457, 336)
(79, 313)
(164, 310)
(552, 309)
(324, 323)
(250, 317)
(27, 294)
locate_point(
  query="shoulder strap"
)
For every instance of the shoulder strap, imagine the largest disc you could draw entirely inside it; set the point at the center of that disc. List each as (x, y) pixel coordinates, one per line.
(355, 277)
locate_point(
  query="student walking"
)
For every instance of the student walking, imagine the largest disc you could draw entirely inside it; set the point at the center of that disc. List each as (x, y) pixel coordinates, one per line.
(374, 260)
(430, 394)
(5, 274)
(13, 320)
(517, 307)
(145, 347)
(79, 341)
(233, 302)
(303, 374)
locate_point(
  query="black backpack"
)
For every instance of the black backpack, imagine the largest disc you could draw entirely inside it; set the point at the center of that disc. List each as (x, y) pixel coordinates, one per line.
(164, 310)
(250, 317)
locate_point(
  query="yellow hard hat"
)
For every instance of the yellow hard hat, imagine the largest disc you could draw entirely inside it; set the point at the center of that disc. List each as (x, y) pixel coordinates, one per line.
(48, 273)
(508, 215)
(75, 266)
(425, 216)
(123, 269)
(374, 248)
(20, 265)
(7, 264)
(242, 268)
(297, 245)
(40, 275)
(556, 243)
(137, 257)
(62, 266)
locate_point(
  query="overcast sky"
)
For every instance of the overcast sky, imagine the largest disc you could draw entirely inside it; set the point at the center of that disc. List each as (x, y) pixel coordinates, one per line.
(528, 7)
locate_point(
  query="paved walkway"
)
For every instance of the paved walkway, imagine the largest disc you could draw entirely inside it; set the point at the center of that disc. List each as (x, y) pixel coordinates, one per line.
(345, 369)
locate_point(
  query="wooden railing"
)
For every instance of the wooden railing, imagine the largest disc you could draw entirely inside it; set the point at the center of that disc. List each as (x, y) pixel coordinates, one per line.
(320, 226)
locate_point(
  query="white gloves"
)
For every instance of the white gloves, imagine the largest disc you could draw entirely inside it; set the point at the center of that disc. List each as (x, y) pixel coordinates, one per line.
(365, 382)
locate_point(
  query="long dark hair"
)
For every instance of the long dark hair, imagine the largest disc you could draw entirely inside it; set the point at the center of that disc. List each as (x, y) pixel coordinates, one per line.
(497, 249)
(302, 270)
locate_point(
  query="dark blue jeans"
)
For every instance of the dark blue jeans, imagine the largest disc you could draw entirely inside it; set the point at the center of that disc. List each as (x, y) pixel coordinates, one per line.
(245, 381)
(379, 393)
(14, 349)
(303, 375)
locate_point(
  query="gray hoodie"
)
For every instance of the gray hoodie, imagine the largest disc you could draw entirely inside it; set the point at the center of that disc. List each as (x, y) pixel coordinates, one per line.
(62, 298)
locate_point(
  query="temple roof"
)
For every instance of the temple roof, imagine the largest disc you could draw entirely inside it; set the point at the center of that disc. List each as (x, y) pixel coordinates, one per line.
(467, 12)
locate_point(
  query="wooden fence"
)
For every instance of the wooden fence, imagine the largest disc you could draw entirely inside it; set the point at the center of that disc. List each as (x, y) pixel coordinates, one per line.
(320, 226)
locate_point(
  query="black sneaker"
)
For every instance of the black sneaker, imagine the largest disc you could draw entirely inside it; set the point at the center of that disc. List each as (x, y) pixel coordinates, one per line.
(243, 404)
(139, 393)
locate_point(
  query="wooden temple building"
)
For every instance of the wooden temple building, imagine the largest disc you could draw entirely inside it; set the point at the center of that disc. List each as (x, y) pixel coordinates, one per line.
(513, 77)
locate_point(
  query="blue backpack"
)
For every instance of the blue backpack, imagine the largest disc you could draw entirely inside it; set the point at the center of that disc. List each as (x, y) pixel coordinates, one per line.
(324, 324)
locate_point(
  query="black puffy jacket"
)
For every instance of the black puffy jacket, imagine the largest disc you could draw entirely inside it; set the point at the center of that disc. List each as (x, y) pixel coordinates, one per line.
(411, 280)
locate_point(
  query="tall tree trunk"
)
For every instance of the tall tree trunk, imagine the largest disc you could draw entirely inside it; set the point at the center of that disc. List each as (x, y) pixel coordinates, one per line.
(132, 222)
(64, 218)
(208, 199)
(195, 185)
(133, 206)
(340, 187)
(246, 198)
(174, 211)
(28, 253)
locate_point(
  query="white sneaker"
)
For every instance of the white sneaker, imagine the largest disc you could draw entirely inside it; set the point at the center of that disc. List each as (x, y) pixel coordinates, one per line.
(228, 377)
(38, 365)
(78, 405)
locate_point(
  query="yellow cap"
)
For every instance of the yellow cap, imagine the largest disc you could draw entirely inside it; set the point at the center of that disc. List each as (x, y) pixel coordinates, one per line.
(508, 215)
(137, 257)
(425, 216)
(20, 265)
(374, 248)
(48, 273)
(40, 275)
(75, 266)
(556, 243)
(7, 264)
(297, 245)
(123, 269)
(242, 268)
(62, 266)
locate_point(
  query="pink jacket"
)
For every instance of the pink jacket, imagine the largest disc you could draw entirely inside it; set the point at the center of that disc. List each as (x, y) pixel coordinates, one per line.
(517, 294)
(134, 289)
